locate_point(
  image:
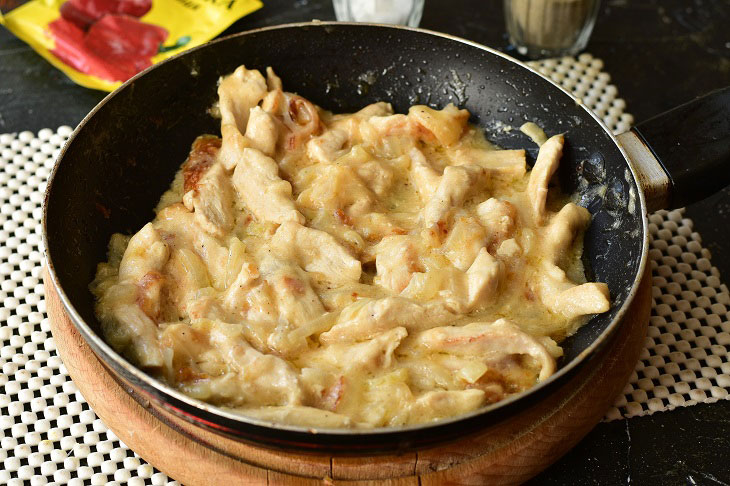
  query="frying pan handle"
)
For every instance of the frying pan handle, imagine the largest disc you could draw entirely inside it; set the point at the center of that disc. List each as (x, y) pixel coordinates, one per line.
(692, 145)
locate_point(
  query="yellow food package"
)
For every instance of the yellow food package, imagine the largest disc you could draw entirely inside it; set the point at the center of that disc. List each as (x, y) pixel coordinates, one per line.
(102, 43)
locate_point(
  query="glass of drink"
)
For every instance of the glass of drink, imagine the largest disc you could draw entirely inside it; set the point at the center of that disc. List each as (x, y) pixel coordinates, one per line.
(550, 28)
(403, 12)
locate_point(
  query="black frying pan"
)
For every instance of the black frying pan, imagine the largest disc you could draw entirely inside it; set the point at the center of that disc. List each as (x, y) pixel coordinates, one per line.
(125, 152)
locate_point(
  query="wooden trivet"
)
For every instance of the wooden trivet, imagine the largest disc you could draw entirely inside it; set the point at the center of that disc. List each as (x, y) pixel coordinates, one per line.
(509, 453)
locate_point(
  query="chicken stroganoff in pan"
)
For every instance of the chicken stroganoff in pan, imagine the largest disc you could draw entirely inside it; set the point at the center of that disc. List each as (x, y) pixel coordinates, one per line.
(360, 270)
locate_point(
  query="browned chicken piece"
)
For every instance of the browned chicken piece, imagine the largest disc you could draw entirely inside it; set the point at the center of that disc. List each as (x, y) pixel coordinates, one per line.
(442, 126)
(139, 340)
(263, 192)
(238, 93)
(202, 156)
(490, 340)
(499, 219)
(548, 160)
(556, 290)
(212, 201)
(325, 148)
(262, 131)
(425, 178)
(273, 82)
(146, 252)
(564, 228)
(317, 252)
(507, 165)
(483, 277)
(562, 296)
(236, 298)
(263, 379)
(273, 299)
(149, 294)
(203, 258)
(463, 292)
(273, 104)
(352, 124)
(338, 187)
(388, 125)
(136, 300)
(454, 185)
(396, 260)
(463, 243)
(376, 176)
(296, 302)
(365, 319)
(369, 356)
(375, 226)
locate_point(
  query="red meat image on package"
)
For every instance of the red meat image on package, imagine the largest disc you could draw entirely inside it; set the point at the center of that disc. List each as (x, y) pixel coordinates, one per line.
(104, 38)
(83, 13)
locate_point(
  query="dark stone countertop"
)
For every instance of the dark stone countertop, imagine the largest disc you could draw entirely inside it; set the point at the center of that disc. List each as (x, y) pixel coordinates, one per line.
(659, 53)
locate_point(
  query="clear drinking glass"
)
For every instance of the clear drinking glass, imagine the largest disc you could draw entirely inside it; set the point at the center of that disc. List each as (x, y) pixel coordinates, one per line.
(403, 12)
(550, 28)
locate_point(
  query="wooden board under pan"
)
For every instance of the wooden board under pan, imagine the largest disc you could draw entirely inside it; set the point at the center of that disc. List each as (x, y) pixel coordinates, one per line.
(508, 453)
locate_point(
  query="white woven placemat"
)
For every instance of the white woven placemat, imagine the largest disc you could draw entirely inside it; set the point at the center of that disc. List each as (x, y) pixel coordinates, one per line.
(49, 435)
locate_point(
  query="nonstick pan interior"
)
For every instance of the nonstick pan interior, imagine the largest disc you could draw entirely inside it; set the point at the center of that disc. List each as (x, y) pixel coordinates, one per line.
(125, 153)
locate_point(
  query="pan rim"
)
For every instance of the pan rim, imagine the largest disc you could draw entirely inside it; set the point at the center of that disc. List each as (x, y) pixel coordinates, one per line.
(112, 358)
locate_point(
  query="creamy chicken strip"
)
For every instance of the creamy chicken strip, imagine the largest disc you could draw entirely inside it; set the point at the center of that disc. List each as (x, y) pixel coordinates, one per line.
(237, 95)
(350, 270)
(262, 191)
(548, 160)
